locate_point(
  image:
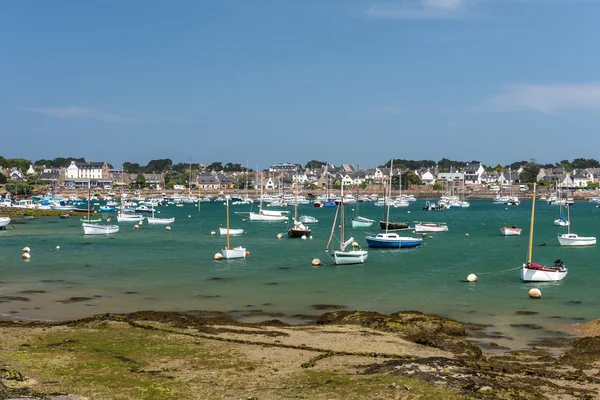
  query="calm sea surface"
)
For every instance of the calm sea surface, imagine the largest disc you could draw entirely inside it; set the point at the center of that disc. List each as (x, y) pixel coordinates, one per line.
(151, 268)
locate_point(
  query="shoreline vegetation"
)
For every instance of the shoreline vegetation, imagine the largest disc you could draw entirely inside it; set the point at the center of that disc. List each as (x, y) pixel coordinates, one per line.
(338, 355)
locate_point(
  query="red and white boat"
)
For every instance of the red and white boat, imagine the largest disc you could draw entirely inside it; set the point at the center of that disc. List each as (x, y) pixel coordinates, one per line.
(510, 231)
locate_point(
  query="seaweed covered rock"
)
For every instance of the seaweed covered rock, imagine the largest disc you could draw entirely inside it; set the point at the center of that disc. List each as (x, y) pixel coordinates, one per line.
(426, 329)
(583, 351)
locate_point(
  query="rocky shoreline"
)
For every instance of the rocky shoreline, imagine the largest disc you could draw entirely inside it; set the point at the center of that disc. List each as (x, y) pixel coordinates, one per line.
(340, 355)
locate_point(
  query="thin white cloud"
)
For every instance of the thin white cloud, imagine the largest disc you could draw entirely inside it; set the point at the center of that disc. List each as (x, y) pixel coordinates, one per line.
(81, 113)
(420, 9)
(547, 99)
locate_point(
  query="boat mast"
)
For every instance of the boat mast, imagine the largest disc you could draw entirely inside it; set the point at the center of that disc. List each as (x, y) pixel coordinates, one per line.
(342, 239)
(531, 227)
(227, 219)
(387, 217)
(568, 219)
(89, 191)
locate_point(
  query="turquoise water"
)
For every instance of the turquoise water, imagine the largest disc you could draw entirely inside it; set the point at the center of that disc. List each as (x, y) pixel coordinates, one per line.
(152, 268)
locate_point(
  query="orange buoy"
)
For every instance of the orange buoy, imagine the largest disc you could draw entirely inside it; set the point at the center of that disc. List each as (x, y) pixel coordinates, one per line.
(247, 254)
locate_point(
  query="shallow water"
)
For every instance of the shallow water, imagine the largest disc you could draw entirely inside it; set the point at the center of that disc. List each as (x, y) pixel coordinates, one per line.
(152, 268)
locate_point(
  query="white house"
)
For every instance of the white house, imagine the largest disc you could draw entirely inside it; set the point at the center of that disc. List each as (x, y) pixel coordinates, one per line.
(473, 173)
(427, 177)
(346, 180)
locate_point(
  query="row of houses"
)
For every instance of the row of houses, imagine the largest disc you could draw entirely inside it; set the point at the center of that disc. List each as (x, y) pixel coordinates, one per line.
(98, 174)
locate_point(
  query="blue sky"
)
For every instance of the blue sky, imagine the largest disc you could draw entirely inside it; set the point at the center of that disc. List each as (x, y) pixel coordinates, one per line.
(290, 81)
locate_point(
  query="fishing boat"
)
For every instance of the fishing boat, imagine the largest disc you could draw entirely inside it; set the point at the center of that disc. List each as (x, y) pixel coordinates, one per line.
(430, 227)
(572, 239)
(231, 252)
(298, 230)
(532, 272)
(90, 228)
(510, 231)
(349, 252)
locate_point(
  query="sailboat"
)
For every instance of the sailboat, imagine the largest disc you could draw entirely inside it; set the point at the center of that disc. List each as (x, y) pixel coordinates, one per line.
(156, 221)
(229, 252)
(561, 221)
(392, 239)
(298, 230)
(266, 215)
(96, 229)
(358, 221)
(386, 224)
(531, 272)
(572, 239)
(123, 216)
(344, 255)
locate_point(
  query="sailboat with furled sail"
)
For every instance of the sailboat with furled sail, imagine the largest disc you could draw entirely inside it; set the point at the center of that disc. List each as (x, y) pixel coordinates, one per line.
(266, 215)
(298, 230)
(349, 251)
(96, 229)
(532, 272)
(231, 252)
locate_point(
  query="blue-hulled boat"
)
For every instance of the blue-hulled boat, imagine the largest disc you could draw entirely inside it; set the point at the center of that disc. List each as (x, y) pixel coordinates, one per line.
(393, 240)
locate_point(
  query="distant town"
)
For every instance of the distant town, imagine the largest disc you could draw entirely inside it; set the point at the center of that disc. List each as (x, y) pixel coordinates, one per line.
(21, 176)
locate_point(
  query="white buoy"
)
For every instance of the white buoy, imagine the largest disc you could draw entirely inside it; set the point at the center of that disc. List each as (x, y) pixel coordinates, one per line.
(26, 249)
(189, 216)
(467, 234)
(310, 237)
(472, 278)
(535, 293)
(26, 256)
(168, 228)
(316, 262)
(57, 247)
(218, 256)
(354, 244)
(279, 236)
(136, 226)
(303, 237)
(213, 233)
(140, 222)
(408, 212)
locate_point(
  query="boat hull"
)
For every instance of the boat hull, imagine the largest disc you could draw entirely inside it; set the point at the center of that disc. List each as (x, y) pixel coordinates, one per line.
(236, 252)
(94, 229)
(506, 231)
(232, 232)
(298, 233)
(575, 240)
(350, 257)
(267, 217)
(394, 226)
(542, 274)
(420, 228)
(4, 221)
(160, 221)
(129, 218)
(392, 240)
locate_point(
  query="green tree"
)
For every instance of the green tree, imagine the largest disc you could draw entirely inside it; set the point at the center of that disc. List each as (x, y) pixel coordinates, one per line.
(363, 185)
(18, 188)
(314, 164)
(3, 179)
(162, 165)
(530, 173)
(132, 168)
(215, 166)
(581, 163)
(140, 180)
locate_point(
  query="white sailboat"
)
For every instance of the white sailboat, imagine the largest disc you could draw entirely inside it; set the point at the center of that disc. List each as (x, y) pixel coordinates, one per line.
(358, 221)
(127, 217)
(267, 215)
(532, 272)
(231, 252)
(345, 254)
(159, 221)
(96, 229)
(572, 239)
